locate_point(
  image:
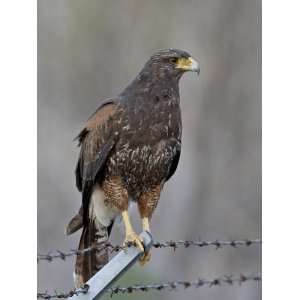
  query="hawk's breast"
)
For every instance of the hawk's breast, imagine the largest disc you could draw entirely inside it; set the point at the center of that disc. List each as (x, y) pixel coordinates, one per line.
(149, 140)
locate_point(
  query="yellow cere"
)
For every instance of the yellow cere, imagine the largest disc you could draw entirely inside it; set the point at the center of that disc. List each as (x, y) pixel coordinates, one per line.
(184, 63)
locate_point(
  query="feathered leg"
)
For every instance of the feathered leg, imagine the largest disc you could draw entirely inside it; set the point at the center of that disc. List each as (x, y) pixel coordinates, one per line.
(117, 196)
(146, 205)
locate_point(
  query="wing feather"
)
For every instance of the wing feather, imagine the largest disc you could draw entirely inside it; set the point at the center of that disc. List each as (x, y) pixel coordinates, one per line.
(97, 140)
(174, 163)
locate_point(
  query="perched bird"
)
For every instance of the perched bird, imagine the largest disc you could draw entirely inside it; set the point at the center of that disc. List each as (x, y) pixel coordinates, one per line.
(130, 147)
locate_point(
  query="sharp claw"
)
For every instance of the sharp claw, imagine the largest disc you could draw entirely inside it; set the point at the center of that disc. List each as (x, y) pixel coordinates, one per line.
(140, 245)
(145, 258)
(134, 238)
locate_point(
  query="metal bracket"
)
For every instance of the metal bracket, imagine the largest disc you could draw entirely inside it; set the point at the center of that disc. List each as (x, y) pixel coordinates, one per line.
(102, 280)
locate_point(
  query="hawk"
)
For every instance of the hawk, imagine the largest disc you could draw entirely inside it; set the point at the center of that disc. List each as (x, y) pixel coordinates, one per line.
(130, 147)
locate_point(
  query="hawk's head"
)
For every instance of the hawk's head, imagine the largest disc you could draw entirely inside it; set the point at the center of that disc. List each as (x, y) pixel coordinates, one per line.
(173, 62)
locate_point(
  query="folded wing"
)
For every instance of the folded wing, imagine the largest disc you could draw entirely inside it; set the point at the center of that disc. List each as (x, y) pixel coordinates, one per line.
(97, 140)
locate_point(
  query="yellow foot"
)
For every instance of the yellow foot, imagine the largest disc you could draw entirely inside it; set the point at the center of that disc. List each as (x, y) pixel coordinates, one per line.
(133, 238)
(145, 258)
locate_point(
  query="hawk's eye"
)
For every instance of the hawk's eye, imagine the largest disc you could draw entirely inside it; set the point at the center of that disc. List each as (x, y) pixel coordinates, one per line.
(173, 60)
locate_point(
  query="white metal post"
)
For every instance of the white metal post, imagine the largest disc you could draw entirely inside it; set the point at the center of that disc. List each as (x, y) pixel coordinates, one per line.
(103, 279)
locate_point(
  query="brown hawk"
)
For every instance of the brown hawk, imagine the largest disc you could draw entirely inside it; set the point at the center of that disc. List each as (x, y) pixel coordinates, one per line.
(129, 148)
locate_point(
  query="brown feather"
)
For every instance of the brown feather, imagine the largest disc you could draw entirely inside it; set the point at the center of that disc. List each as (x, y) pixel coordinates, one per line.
(101, 116)
(89, 263)
(130, 147)
(97, 140)
(75, 224)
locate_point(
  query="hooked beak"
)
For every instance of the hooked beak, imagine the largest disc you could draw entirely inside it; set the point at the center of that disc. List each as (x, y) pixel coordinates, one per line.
(194, 66)
(188, 64)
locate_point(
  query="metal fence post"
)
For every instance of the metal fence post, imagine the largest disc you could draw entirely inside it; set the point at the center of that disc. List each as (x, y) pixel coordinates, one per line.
(102, 280)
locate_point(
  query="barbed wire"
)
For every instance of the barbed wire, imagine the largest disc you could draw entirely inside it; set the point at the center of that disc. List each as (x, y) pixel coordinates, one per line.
(168, 286)
(57, 295)
(174, 285)
(50, 256)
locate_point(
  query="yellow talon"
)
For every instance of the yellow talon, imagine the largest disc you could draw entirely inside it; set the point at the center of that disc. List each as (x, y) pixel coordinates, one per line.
(133, 238)
(147, 255)
(145, 258)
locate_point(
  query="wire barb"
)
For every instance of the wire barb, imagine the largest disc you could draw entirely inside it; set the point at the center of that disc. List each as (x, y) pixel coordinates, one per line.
(158, 245)
(168, 286)
(56, 295)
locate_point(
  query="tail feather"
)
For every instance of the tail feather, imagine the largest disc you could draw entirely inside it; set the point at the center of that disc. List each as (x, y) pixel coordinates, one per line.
(76, 223)
(89, 263)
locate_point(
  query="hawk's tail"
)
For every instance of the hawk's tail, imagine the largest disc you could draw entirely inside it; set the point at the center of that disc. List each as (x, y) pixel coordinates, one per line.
(94, 235)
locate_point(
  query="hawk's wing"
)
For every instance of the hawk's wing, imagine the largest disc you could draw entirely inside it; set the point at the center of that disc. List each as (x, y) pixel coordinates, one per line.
(97, 139)
(174, 163)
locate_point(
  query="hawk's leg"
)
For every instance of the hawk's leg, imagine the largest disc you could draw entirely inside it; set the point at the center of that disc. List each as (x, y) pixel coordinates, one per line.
(130, 235)
(147, 204)
(146, 225)
(117, 195)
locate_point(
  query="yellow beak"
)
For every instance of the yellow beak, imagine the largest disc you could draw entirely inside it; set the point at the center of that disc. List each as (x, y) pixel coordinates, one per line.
(188, 64)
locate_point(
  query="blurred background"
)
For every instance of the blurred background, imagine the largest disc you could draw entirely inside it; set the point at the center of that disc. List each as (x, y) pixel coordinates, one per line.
(90, 50)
